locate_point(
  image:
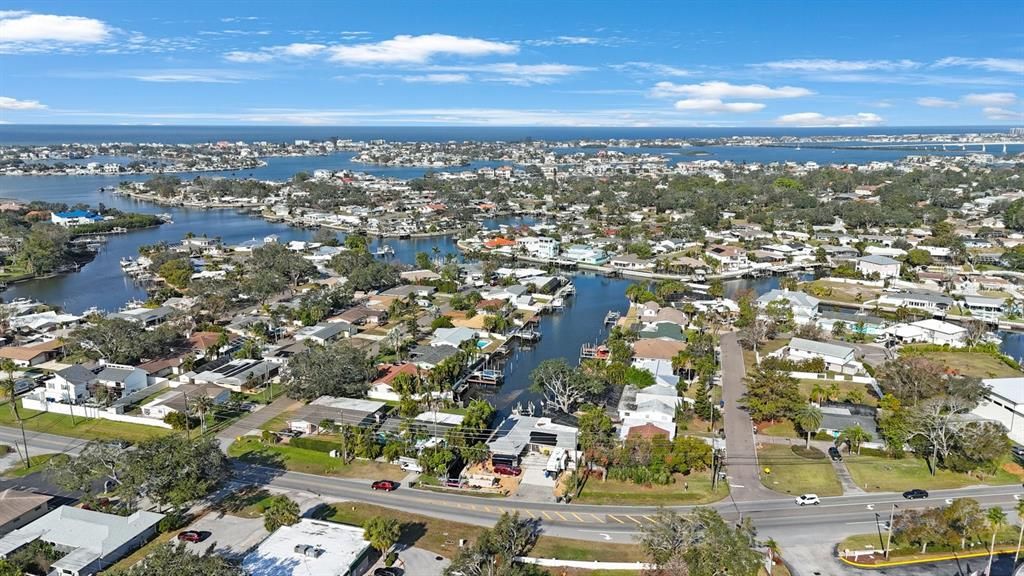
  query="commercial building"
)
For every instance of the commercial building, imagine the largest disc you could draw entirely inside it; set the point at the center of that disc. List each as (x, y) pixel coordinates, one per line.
(310, 548)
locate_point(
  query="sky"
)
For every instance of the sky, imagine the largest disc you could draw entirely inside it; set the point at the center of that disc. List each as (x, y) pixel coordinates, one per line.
(523, 63)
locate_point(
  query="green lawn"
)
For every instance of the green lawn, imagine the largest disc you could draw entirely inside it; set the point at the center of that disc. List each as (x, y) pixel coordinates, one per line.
(795, 474)
(1006, 537)
(39, 462)
(86, 428)
(867, 395)
(248, 502)
(621, 492)
(251, 449)
(782, 428)
(763, 350)
(279, 422)
(977, 364)
(442, 536)
(840, 292)
(881, 474)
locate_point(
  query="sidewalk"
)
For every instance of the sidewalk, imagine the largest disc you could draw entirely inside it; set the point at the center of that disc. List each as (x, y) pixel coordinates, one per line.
(254, 420)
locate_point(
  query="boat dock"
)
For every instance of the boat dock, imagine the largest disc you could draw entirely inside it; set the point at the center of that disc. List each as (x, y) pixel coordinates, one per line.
(611, 317)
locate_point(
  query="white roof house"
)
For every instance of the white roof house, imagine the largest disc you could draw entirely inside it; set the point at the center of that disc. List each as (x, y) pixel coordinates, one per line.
(804, 305)
(939, 332)
(310, 548)
(1004, 404)
(94, 540)
(836, 357)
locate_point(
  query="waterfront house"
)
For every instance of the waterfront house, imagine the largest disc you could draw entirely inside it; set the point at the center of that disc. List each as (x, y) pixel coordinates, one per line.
(381, 387)
(804, 306)
(436, 424)
(518, 434)
(986, 308)
(841, 253)
(70, 385)
(90, 541)
(882, 266)
(427, 357)
(651, 406)
(928, 301)
(930, 331)
(838, 358)
(729, 258)
(585, 255)
(631, 262)
(657, 349)
(341, 411)
(73, 218)
(538, 246)
(145, 316)
(454, 337)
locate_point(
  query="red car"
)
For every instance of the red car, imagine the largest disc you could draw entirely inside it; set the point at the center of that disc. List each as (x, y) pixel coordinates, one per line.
(190, 536)
(385, 485)
(506, 470)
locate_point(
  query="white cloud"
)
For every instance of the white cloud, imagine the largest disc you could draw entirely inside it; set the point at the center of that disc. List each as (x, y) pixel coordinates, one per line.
(990, 99)
(716, 105)
(933, 102)
(189, 76)
(814, 119)
(21, 30)
(1015, 65)
(295, 50)
(650, 69)
(565, 41)
(8, 103)
(721, 90)
(514, 73)
(438, 78)
(406, 49)
(996, 113)
(829, 65)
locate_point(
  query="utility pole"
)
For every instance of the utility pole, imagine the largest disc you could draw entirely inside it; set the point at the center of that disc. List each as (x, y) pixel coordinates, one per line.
(24, 440)
(188, 430)
(892, 519)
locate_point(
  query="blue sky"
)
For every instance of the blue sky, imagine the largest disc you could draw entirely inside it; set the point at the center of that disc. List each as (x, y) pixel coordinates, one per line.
(588, 63)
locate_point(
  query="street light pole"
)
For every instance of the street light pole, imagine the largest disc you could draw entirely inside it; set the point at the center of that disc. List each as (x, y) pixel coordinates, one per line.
(888, 539)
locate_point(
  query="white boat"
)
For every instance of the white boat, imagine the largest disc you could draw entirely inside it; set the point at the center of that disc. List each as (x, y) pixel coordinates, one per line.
(127, 262)
(385, 250)
(557, 303)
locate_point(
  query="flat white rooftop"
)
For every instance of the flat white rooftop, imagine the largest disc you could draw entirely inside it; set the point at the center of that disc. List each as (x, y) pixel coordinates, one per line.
(339, 549)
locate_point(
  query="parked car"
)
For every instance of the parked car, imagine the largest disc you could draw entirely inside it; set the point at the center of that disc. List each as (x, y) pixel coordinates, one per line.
(190, 536)
(386, 571)
(1017, 450)
(385, 485)
(915, 494)
(834, 454)
(506, 470)
(805, 499)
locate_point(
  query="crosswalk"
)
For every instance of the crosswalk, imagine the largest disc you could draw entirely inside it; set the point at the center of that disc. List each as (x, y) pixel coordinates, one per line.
(563, 516)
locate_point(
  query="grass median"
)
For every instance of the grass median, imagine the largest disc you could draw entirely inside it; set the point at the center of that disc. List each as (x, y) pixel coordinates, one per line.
(442, 536)
(794, 471)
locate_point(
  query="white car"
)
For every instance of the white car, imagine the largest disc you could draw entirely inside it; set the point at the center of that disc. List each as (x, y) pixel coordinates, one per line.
(805, 499)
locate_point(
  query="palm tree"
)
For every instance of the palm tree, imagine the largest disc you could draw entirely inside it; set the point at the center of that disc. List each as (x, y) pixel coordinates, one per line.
(818, 391)
(856, 436)
(382, 532)
(280, 511)
(839, 330)
(996, 518)
(202, 404)
(1020, 516)
(808, 417)
(833, 391)
(222, 341)
(8, 386)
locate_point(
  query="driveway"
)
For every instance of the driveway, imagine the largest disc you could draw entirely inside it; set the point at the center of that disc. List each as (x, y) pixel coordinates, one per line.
(254, 420)
(227, 535)
(741, 454)
(418, 562)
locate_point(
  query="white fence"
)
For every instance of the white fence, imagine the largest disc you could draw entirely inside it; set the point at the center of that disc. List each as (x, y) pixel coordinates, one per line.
(839, 378)
(584, 564)
(83, 411)
(872, 283)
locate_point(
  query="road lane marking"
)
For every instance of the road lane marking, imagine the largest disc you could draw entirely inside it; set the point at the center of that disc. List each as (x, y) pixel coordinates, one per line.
(487, 508)
(596, 517)
(559, 514)
(633, 519)
(651, 520)
(614, 518)
(577, 516)
(546, 515)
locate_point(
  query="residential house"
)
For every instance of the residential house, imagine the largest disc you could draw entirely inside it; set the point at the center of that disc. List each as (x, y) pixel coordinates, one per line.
(381, 388)
(70, 385)
(32, 354)
(341, 411)
(804, 306)
(237, 375)
(311, 548)
(518, 434)
(928, 301)
(729, 258)
(181, 398)
(651, 406)
(1004, 404)
(585, 255)
(838, 358)
(19, 507)
(326, 332)
(121, 379)
(427, 357)
(91, 541)
(836, 419)
(454, 337)
(145, 316)
(360, 315)
(931, 331)
(538, 246)
(882, 266)
(73, 218)
(631, 262)
(986, 308)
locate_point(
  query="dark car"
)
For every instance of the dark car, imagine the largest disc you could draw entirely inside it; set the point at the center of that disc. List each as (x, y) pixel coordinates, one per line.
(834, 454)
(1018, 451)
(386, 572)
(915, 494)
(190, 536)
(506, 470)
(385, 485)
